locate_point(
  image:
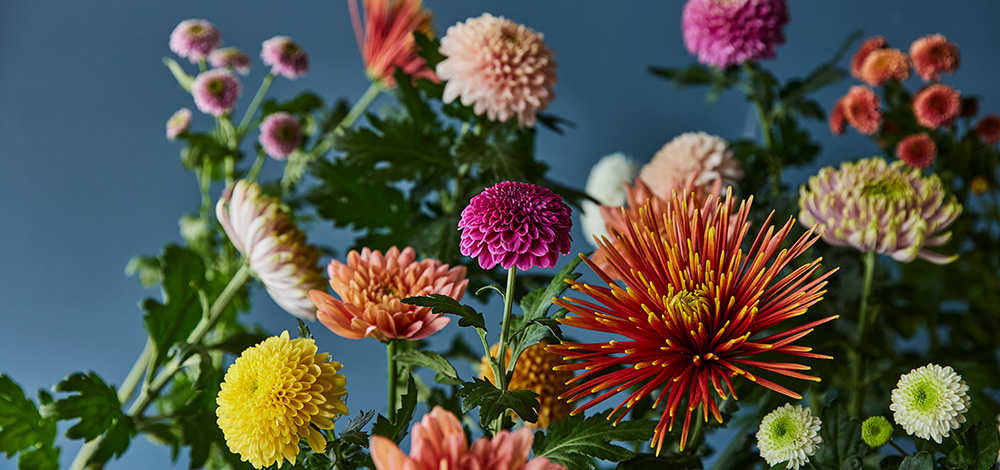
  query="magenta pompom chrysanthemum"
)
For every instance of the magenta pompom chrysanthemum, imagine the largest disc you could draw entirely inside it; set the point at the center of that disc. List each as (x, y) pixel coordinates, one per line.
(516, 224)
(178, 123)
(194, 39)
(285, 57)
(231, 58)
(730, 32)
(215, 92)
(280, 135)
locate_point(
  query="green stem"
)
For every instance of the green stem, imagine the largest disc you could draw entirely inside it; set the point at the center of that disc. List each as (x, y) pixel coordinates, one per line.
(767, 133)
(257, 98)
(205, 183)
(899, 449)
(859, 358)
(359, 107)
(390, 352)
(257, 164)
(501, 372)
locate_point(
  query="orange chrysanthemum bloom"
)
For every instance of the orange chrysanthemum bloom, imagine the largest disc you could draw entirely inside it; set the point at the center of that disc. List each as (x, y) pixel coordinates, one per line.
(535, 371)
(371, 288)
(937, 105)
(694, 309)
(870, 45)
(883, 65)
(386, 40)
(932, 55)
(863, 109)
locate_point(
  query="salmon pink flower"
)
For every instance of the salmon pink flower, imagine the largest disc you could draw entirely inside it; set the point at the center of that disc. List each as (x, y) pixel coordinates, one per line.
(862, 109)
(870, 45)
(917, 150)
(194, 39)
(937, 105)
(697, 156)
(932, 55)
(988, 129)
(386, 39)
(730, 32)
(883, 65)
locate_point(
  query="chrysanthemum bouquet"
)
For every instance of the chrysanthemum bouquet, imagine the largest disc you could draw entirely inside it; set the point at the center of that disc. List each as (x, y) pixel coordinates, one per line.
(724, 317)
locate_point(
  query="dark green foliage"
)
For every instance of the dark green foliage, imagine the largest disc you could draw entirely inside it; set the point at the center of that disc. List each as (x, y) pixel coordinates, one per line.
(575, 441)
(493, 402)
(467, 315)
(842, 445)
(24, 431)
(96, 405)
(396, 430)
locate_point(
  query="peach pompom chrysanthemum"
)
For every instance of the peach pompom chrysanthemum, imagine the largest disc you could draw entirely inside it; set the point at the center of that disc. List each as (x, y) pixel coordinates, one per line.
(695, 156)
(988, 129)
(870, 45)
(917, 150)
(498, 67)
(883, 65)
(386, 39)
(535, 371)
(371, 287)
(275, 393)
(937, 105)
(862, 109)
(932, 55)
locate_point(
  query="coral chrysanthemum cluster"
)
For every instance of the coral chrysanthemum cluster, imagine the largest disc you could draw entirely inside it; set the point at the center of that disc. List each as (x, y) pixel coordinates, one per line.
(499, 67)
(789, 434)
(696, 156)
(933, 55)
(937, 105)
(917, 150)
(386, 40)
(371, 287)
(694, 310)
(275, 393)
(606, 184)
(930, 401)
(438, 442)
(877, 206)
(535, 371)
(861, 108)
(730, 32)
(274, 247)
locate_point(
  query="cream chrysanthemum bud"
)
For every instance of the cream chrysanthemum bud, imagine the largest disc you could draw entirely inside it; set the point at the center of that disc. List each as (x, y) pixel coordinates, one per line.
(876, 431)
(789, 434)
(930, 401)
(606, 184)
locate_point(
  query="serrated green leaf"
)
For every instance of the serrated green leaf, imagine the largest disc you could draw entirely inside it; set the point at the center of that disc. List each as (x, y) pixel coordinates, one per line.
(493, 402)
(444, 372)
(574, 441)
(304, 330)
(841, 437)
(359, 197)
(396, 430)
(921, 461)
(146, 268)
(115, 441)
(305, 102)
(440, 303)
(536, 304)
(694, 74)
(353, 432)
(95, 404)
(170, 322)
(23, 429)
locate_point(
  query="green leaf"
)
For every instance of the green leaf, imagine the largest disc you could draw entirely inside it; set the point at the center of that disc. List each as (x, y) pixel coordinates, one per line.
(841, 437)
(201, 147)
(304, 330)
(536, 304)
(493, 402)
(694, 74)
(95, 404)
(305, 102)
(146, 268)
(358, 197)
(440, 303)
(988, 442)
(574, 441)
(921, 461)
(115, 441)
(353, 433)
(959, 457)
(396, 430)
(183, 79)
(672, 461)
(444, 372)
(24, 431)
(171, 322)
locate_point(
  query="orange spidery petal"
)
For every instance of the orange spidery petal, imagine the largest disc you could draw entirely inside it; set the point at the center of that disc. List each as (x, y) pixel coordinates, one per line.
(690, 308)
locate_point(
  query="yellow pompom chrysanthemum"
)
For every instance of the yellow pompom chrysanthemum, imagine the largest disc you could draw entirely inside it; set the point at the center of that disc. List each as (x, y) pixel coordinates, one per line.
(276, 392)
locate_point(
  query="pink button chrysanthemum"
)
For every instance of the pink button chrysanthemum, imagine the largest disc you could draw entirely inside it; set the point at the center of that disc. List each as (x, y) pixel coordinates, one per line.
(216, 91)
(386, 40)
(696, 156)
(932, 55)
(371, 287)
(516, 224)
(883, 65)
(280, 135)
(231, 58)
(498, 67)
(870, 45)
(730, 32)
(178, 123)
(988, 129)
(917, 150)
(194, 39)
(937, 105)
(285, 57)
(872, 205)
(274, 247)
(863, 109)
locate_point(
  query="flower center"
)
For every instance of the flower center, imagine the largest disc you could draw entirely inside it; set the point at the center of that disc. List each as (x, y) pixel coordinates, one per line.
(290, 48)
(216, 87)
(286, 133)
(891, 187)
(686, 306)
(196, 29)
(925, 396)
(784, 431)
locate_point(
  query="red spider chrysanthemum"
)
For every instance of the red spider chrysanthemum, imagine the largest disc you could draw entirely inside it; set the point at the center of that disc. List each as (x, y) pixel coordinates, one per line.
(386, 38)
(917, 150)
(870, 45)
(932, 55)
(694, 310)
(937, 105)
(863, 109)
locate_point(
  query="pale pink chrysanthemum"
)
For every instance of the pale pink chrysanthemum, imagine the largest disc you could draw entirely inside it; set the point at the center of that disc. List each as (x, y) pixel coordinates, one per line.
(937, 105)
(280, 135)
(863, 109)
(285, 57)
(730, 32)
(516, 224)
(386, 40)
(231, 58)
(194, 39)
(883, 65)
(917, 150)
(988, 129)
(932, 55)
(438, 442)
(178, 123)
(870, 45)
(873, 205)
(498, 67)
(216, 91)
(371, 288)
(838, 119)
(697, 156)
(274, 247)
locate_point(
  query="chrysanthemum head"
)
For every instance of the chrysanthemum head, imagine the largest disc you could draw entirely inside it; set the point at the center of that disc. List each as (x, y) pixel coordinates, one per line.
(230, 58)
(789, 434)
(285, 57)
(516, 224)
(862, 109)
(280, 135)
(387, 42)
(178, 123)
(730, 32)
(215, 92)
(194, 39)
(988, 129)
(937, 105)
(876, 206)
(606, 184)
(930, 401)
(917, 150)
(870, 45)
(275, 393)
(883, 65)
(500, 68)
(932, 55)
(537, 370)
(979, 185)
(838, 118)
(697, 156)
(876, 431)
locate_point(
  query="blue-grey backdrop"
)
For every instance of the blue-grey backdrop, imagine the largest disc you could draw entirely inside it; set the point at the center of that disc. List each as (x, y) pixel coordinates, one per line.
(88, 179)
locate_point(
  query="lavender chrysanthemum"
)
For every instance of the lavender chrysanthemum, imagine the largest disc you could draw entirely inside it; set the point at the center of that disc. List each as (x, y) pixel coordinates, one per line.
(280, 135)
(215, 92)
(516, 224)
(178, 123)
(231, 58)
(194, 39)
(730, 32)
(285, 57)
(872, 205)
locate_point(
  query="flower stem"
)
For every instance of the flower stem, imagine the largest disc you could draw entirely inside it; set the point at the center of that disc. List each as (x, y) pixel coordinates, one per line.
(204, 184)
(390, 352)
(257, 98)
(257, 164)
(859, 358)
(899, 449)
(359, 107)
(501, 359)
(766, 131)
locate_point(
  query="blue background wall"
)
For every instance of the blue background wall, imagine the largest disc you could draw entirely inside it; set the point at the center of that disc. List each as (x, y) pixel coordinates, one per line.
(88, 179)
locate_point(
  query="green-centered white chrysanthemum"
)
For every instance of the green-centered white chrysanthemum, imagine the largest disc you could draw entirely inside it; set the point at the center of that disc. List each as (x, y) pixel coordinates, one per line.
(930, 401)
(789, 434)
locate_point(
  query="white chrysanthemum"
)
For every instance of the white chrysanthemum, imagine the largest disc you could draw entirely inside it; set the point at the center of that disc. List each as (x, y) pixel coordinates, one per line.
(605, 184)
(789, 434)
(930, 401)
(693, 156)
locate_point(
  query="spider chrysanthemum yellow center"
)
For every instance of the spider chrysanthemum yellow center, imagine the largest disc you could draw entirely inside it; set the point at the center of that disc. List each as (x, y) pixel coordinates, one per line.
(275, 393)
